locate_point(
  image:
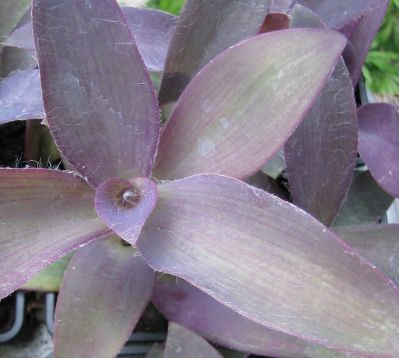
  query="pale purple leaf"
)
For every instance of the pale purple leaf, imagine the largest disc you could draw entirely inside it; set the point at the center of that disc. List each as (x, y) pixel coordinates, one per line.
(359, 20)
(98, 96)
(203, 30)
(125, 205)
(272, 263)
(181, 302)
(321, 154)
(152, 30)
(106, 287)
(365, 203)
(182, 343)
(45, 215)
(239, 110)
(379, 144)
(377, 243)
(21, 97)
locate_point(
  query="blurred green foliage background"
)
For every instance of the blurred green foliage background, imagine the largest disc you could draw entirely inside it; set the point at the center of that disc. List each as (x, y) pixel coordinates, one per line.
(381, 69)
(172, 6)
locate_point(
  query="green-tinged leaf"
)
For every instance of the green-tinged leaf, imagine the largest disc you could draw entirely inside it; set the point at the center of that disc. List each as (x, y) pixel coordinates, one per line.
(10, 12)
(272, 263)
(48, 280)
(106, 288)
(182, 343)
(239, 110)
(45, 214)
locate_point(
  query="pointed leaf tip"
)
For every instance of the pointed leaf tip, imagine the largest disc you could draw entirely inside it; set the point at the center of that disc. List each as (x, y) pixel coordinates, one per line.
(272, 263)
(125, 206)
(237, 103)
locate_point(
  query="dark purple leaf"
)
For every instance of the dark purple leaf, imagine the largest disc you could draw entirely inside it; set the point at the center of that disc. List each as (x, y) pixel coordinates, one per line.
(379, 144)
(359, 20)
(182, 343)
(272, 263)
(106, 288)
(365, 203)
(263, 181)
(274, 22)
(239, 110)
(321, 154)
(125, 205)
(151, 29)
(377, 243)
(203, 30)
(98, 96)
(21, 97)
(45, 215)
(181, 302)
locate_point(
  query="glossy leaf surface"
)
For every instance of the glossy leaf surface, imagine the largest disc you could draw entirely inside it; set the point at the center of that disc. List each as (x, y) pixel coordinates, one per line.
(181, 302)
(21, 97)
(203, 30)
(379, 144)
(125, 205)
(246, 102)
(105, 290)
(45, 215)
(365, 203)
(378, 243)
(182, 343)
(98, 97)
(321, 153)
(271, 262)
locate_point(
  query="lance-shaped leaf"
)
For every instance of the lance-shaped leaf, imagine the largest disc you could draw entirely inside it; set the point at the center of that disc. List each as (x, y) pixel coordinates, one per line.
(152, 30)
(108, 284)
(125, 205)
(21, 97)
(378, 243)
(182, 343)
(239, 110)
(45, 214)
(379, 144)
(98, 96)
(366, 202)
(359, 20)
(272, 263)
(321, 154)
(181, 302)
(203, 30)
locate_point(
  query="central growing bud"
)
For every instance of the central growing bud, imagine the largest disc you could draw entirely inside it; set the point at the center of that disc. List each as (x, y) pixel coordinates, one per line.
(128, 198)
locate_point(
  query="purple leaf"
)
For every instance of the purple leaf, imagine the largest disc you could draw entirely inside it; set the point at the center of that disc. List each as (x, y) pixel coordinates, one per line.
(274, 22)
(321, 154)
(151, 29)
(377, 243)
(203, 30)
(379, 144)
(98, 97)
(21, 97)
(239, 110)
(45, 215)
(182, 343)
(125, 205)
(359, 20)
(10, 12)
(272, 263)
(181, 302)
(263, 181)
(366, 202)
(106, 287)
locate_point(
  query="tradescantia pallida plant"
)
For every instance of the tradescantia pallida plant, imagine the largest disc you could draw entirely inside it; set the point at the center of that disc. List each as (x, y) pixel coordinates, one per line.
(255, 272)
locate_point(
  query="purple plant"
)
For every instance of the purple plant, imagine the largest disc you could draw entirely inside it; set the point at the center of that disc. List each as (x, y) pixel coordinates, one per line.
(244, 268)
